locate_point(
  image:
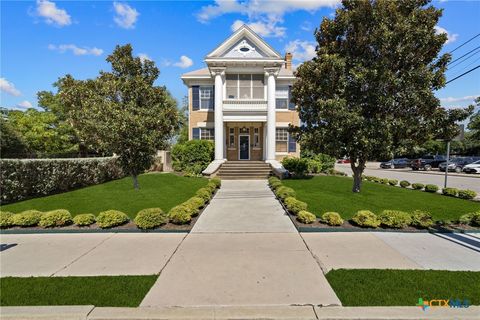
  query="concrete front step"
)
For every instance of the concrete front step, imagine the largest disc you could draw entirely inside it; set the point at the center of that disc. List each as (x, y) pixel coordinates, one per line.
(242, 170)
(235, 177)
(235, 170)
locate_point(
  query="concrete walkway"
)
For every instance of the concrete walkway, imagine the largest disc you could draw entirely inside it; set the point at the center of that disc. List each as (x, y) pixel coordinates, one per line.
(244, 250)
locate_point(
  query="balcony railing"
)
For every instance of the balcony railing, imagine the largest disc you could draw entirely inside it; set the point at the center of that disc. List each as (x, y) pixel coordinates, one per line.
(244, 105)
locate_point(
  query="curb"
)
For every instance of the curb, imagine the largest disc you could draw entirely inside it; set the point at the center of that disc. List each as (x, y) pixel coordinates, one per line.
(239, 312)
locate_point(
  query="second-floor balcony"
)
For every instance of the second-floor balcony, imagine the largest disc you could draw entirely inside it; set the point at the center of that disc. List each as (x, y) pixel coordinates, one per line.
(244, 105)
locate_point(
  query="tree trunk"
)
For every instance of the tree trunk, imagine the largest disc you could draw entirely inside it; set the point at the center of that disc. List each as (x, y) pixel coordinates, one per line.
(135, 182)
(357, 169)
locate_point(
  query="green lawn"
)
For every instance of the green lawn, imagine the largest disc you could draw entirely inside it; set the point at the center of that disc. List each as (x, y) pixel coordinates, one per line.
(329, 193)
(117, 291)
(156, 190)
(376, 287)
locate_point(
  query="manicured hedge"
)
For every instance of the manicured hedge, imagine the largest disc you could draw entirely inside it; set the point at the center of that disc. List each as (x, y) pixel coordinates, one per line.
(29, 178)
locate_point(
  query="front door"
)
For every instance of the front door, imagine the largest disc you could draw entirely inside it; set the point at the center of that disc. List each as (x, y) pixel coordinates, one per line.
(244, 147)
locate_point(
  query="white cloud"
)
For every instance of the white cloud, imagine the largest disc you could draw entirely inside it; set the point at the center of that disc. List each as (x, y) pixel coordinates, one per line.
(52, 14)
(451, 37)
(264, 29)
(144, 56)
(9, 87)
(265, 16)
(306, 26)
(78, 51)
(301, 50)
(184, 62)
(126, 16)
(458, 99)
(24, 105)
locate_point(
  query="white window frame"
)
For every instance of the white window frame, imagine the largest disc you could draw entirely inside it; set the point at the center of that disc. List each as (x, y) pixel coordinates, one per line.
(231, 137)
(203, 89)
(256, 137)
(203, 132)
(238, 87)
(284, 136)
(282, 93)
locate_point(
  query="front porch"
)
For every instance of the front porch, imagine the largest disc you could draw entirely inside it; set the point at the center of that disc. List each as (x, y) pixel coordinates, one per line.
(244, 141)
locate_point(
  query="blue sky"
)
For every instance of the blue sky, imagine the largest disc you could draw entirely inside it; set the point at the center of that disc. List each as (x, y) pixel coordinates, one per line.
(44, 40)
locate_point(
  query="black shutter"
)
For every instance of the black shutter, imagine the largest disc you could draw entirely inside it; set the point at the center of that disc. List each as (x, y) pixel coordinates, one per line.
(291, 105)
(212, 97)
(292, 143)
(196, 133)
(195, 98)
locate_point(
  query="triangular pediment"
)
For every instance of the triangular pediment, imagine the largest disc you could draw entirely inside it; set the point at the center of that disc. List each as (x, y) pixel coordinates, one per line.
(244, 44)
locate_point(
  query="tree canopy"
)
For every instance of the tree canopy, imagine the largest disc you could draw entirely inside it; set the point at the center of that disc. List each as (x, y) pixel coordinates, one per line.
(122, 111)
(369, 91)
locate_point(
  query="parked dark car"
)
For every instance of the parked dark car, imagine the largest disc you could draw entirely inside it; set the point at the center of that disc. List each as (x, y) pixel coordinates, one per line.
(396, 163)
(456, 164)
(428, 162)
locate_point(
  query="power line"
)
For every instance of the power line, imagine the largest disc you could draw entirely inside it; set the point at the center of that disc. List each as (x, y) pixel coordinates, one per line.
(462, 56)
(463, 74)
(468, 65)
(465, 42)
(471, 55)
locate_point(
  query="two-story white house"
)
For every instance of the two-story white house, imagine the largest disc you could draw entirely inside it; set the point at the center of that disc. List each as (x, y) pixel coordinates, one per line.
(241, 100)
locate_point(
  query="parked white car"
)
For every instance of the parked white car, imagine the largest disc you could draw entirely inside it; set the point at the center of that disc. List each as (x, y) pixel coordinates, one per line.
(473, 167)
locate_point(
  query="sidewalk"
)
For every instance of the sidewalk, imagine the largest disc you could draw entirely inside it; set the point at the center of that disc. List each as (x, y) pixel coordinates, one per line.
(243, 250)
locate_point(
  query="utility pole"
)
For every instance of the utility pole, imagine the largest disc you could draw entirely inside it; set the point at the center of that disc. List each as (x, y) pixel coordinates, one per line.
(448, 159)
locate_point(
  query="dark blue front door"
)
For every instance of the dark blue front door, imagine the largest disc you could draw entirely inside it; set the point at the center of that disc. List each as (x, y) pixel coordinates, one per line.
(244, 148)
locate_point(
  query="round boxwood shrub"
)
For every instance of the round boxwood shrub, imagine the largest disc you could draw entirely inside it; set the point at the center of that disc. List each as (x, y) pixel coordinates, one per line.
(366, 218)
(395, 218)
(150, 218)
(404, 184)
(84, 219)
(472, 218)
(451, 192)
(180, 214)
(418, 186)
(5, 219)
(273, 179)
(421, 219)
(393, 182)
(332, 219)
(276, 184)
(431, 188)
(285, 192)
(216, 181)
(294, 205)
(27, 218)
(383, 181)
(204, 193)
(296, 165)
(211, 187)
(475, 219)
(55, 218)
(111, 218)
(306, 217)
(196, 202)
(467, 194)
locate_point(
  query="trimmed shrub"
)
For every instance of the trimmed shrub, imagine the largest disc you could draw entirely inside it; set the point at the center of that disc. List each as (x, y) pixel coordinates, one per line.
(150, 218)
(273, 179)
(384, 181)
(317, 163)
(421, 219)
(334, 172)
(216, 181)
(404, 184)
(275, 185)
(467, 194)
(111, 218)
(285, 192)
(204, 193)
(332, 219)
(395, 218)
(296, 165)
(393, 182)
(27, 218)
(211, 186)
(306, 217)
(5, 219)
(84, 219)
(195, 202)
(29, 178)
(294, 205)
(366, 218)
(451, 192)
(193, 156)
(475, 219)
(55, 218)
(418, 186)
(472, 218)
(431, 188)
(180, 214)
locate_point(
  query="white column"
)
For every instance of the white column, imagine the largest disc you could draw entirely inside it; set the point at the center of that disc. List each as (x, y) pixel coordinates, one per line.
(218, 115)
(271, 121)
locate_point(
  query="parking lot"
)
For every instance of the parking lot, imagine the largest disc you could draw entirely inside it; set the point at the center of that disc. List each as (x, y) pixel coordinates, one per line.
(455, 180)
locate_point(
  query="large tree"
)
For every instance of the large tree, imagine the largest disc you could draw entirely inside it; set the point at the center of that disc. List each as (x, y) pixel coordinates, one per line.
(474, 124)
(122, 111)
(369, 92)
